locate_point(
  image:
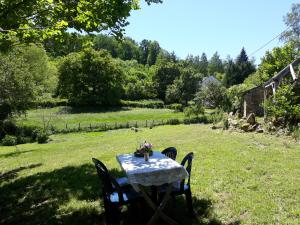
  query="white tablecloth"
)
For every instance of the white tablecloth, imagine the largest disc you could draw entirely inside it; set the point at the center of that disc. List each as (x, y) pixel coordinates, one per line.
(157, 171)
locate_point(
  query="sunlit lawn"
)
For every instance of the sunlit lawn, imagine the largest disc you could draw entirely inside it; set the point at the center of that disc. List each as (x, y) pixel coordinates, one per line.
(60, 116)
(236, 178)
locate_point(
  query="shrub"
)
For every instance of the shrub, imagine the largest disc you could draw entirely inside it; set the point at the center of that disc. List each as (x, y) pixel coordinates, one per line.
(194, 109)
(173, 121)
(23, 140)
(51, 102)
(285, 104)
(42, 137)
(296, 134)
(9, 140)
(225, 124)
(144, 103)
(176, 106)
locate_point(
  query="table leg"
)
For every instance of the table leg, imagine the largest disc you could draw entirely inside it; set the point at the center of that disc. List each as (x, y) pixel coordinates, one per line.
(158, 210)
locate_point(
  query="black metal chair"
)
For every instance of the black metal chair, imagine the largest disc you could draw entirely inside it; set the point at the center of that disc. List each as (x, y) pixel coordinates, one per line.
(170, 152)
(114, 196)
(122, 181)
(183, 187)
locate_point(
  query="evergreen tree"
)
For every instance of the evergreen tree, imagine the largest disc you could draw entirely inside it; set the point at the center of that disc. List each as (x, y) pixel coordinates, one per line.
(203, 66)
(215, 64)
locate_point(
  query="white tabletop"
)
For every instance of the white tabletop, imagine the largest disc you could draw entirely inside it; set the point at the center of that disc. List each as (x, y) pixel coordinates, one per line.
(157, 171)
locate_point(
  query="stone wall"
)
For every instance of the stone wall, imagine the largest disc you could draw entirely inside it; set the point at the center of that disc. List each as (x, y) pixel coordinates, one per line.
(253, 100)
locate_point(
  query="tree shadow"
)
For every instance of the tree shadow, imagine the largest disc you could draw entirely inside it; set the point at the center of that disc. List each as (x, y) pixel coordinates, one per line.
(14, 153)
(13, 173)
(40, 199)
(91, 109)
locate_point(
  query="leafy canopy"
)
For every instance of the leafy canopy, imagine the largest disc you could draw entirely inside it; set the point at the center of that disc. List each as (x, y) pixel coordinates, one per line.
(36, 20)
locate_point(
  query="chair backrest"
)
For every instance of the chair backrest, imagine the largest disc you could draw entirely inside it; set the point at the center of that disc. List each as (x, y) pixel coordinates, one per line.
(187, 163)
(109, 182)
(170, 152)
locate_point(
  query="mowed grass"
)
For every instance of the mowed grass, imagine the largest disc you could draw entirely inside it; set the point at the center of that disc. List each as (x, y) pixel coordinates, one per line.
(58, 117)
(237, 178)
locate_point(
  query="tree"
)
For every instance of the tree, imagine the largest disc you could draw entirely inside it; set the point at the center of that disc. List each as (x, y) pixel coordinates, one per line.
(153, 52)
(90, 78)
(215, 64)
(25, 76)
(70, 42)
(273, 62)
(165, 76)
(212, 94)
(284, 104)
(236, 72)
(36, 20)
(16, 82)
(144, 49)
(203, 66)
(292, 20)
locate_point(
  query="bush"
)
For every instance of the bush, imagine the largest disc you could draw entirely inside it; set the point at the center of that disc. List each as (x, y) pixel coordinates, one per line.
(23, 140)
(225, 124)
(296, 134)
(51, 102)
(173, 121)
(154, 104)
(176, 106)
(9, 140)
(42, 137)
(284, 105)
(194, 109)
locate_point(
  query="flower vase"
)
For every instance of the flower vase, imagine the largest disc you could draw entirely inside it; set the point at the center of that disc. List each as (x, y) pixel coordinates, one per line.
(146, 156)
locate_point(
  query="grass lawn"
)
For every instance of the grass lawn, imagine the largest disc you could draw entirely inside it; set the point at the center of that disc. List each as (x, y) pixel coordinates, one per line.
(59, 116)
(236, 178)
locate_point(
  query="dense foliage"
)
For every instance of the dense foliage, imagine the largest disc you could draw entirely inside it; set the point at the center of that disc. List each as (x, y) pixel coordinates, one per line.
(27, 21)
(90, 78)
(25, 76)
(285, 104)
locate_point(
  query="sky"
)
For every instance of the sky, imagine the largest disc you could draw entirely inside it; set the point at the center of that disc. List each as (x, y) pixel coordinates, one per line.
(196, 26)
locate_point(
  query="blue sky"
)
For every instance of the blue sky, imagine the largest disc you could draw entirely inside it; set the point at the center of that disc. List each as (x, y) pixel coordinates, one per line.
(196, 26)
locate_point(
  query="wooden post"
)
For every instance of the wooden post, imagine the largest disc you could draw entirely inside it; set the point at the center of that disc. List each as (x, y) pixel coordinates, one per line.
(66, 126)
(136, 125)
(78, 126)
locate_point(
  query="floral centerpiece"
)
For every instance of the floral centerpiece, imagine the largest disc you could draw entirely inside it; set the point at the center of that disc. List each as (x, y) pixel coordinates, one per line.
(144, 150)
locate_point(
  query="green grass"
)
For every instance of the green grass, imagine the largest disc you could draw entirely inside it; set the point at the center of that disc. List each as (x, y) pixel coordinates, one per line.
(237, 178)
(60, 116)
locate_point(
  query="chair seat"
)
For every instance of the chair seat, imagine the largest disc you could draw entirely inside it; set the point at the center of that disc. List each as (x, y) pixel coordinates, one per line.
(128, 196)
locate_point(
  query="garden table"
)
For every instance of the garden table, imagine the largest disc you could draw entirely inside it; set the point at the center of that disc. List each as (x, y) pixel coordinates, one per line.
(157, 171)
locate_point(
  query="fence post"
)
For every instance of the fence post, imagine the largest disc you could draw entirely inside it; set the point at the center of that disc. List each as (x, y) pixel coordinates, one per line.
(78, 126)
(146, 123)
(136, 125)
(66, 126)
(105, 126)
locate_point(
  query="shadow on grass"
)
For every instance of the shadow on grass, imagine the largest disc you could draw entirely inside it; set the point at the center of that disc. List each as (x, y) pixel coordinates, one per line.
(91, 109)
(56, 197)
(13, 173)
(15, 153)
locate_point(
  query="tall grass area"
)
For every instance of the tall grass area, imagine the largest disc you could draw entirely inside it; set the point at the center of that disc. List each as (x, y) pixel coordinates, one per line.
(237, 178)
(62, 117)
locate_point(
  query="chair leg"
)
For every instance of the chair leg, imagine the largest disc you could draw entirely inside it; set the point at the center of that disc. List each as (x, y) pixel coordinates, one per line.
(188, 197)
(112, 214)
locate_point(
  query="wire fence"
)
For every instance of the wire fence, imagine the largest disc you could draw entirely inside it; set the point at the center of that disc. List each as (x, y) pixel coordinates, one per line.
(105, 126)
